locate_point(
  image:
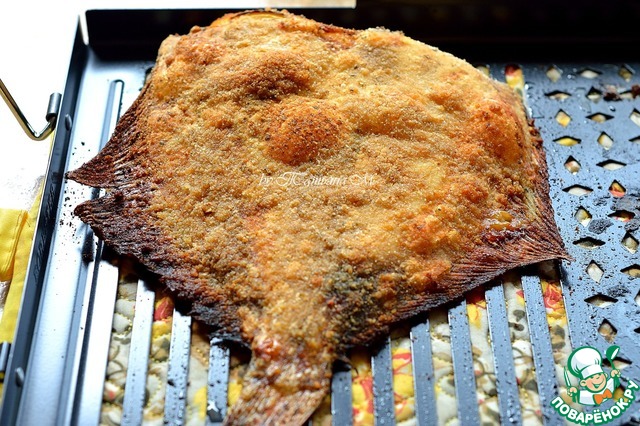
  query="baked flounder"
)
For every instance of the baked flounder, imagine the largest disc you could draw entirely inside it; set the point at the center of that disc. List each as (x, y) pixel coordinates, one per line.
(306, 186)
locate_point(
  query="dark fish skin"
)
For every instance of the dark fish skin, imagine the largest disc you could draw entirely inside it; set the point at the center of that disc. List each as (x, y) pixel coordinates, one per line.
(306, 187)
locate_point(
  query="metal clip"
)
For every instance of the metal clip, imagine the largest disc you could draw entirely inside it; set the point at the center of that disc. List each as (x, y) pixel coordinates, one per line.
(51, 116)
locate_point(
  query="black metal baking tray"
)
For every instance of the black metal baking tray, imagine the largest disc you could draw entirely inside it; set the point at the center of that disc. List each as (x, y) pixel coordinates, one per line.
(57, 364)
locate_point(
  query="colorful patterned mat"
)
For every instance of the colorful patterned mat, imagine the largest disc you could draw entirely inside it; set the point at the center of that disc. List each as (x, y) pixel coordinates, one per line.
(360, 361)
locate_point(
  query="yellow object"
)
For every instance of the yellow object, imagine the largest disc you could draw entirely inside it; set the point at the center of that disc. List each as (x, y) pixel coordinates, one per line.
(200, 401)
(234, 391)
(11, 223)
(563, 118)
(20, 238)
(22, 252)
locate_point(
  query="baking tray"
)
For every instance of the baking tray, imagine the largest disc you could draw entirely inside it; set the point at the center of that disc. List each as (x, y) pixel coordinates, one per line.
(56, 368)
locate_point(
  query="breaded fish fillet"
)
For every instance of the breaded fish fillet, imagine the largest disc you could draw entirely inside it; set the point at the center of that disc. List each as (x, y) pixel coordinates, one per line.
(306, 186)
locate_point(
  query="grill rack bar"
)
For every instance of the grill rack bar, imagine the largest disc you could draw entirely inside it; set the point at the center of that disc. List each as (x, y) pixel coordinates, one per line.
(382, 369)
(178, 374)
(341, 395)
(134, 397)
(508, 395)
(218, 383)
(423, 380)
(542, 350)
(96, 351)
(463, 366)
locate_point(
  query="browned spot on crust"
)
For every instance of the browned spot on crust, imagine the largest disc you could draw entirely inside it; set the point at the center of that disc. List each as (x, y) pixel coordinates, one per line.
(503, 135)
(302, 131)
(272, 75)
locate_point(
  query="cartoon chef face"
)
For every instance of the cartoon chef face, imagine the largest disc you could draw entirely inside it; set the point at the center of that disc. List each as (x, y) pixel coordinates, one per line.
(595, 383)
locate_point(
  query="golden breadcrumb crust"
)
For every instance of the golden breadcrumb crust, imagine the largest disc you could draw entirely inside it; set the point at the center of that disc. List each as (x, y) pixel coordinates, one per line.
(306, 186)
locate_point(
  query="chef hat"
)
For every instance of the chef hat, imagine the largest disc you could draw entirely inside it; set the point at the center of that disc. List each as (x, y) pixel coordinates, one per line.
(585, 362)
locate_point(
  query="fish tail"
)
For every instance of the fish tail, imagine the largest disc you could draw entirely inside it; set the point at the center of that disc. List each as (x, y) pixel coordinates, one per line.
(280, 392)
(269, 406)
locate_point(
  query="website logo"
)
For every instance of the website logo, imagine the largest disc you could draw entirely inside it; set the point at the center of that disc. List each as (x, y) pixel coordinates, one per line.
(595, 388)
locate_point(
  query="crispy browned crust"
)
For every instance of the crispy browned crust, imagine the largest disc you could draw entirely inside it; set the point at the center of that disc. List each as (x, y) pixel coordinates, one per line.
(434, 183)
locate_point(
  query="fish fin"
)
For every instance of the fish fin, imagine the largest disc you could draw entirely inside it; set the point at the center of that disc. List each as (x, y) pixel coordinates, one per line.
(110, 168)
